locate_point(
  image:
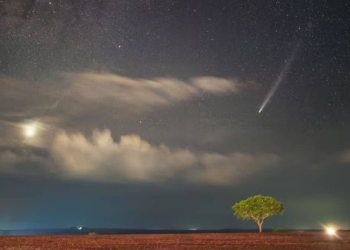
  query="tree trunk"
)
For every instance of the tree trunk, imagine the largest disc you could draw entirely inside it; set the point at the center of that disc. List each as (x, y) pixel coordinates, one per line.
(260, 226)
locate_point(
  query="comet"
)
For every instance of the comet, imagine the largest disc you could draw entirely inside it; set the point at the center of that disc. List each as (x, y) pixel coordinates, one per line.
(280, 78)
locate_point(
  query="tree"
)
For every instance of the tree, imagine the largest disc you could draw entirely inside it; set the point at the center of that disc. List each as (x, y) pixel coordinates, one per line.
(257, 208)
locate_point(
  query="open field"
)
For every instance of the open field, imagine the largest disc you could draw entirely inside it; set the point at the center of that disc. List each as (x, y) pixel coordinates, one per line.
(264, 241)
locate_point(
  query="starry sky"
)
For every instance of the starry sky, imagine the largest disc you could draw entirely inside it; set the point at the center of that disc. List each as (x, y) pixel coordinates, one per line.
(145, 113)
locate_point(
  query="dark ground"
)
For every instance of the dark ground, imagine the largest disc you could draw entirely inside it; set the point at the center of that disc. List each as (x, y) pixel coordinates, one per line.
(264, 241)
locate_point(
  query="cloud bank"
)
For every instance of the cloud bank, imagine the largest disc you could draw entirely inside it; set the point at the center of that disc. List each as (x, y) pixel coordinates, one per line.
(101, 158)
(79, 93)
(133, 159)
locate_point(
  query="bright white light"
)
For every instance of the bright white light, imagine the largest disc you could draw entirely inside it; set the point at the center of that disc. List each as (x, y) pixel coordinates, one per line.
(330, 231)
(30, 130)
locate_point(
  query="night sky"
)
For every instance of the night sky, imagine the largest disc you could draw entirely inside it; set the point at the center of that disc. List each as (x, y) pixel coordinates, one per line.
(145, 113)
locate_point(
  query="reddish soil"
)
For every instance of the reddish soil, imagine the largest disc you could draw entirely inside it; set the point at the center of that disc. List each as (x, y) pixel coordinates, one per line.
(264, 241)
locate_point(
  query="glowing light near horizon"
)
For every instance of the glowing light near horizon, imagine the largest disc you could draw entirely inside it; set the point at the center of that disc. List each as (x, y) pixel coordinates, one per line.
(331, 231)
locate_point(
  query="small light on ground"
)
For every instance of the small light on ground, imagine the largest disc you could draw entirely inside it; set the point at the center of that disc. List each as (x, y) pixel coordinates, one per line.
(330, 231)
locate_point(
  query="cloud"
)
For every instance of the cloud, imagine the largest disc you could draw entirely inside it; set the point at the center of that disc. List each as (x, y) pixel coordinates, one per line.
(231, 168)
(215, 85)
(133, 159)
(24, 163)
(79, 94)
(334, 159)
(144, 94)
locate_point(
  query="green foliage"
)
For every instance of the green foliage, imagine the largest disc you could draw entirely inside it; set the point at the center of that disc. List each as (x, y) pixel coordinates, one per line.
(92, 233)
(257, 208)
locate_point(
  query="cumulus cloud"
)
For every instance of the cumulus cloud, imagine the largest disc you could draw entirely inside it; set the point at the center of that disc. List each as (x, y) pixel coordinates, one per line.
(144, 94)
(133, 159)
(102, 158)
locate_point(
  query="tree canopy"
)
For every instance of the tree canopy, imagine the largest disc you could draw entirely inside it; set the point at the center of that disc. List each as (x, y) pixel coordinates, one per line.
(257, 208)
